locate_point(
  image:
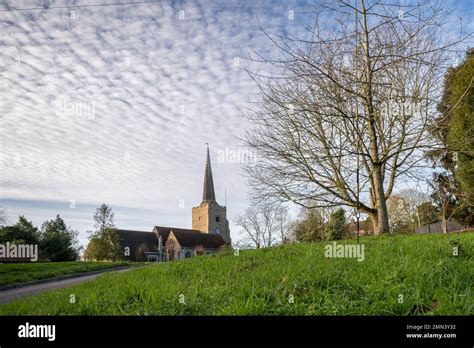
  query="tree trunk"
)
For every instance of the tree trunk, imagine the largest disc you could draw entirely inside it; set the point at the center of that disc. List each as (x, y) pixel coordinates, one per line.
(381, 203)
(375, 222)
(377, 175)
(418, 217)
(444, 224)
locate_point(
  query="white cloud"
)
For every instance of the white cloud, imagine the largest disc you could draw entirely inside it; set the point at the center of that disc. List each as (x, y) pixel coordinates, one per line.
(114, 103)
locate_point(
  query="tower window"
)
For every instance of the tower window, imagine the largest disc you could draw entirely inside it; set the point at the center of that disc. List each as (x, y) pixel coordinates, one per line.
(217, 218)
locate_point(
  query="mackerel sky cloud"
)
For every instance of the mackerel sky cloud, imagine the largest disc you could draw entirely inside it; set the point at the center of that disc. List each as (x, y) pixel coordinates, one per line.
(114, 103)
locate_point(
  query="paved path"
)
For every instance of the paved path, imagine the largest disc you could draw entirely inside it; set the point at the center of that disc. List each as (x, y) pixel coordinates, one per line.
(11, 294)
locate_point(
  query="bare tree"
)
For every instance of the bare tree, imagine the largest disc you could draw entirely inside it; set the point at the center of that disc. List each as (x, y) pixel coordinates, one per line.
(264, 225)
(282, 225)
(345, 107)
(413, 198)
(400, 219)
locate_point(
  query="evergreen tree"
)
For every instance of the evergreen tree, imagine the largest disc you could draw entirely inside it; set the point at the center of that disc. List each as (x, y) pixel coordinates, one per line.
(23, 232)
(454, 129)
(459, 96)
(58, 242)
(337, 225)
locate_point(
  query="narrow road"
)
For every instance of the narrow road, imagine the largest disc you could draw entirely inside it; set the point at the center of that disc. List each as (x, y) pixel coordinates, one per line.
(9, 295)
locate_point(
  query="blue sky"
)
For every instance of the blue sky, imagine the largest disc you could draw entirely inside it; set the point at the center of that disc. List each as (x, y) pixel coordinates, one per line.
(115, 104)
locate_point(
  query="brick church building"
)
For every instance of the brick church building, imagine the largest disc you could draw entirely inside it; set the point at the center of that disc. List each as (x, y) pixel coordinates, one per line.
(209, 233)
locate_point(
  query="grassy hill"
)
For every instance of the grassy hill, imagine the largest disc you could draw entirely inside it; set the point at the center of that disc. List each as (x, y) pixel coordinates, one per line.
(422, 269)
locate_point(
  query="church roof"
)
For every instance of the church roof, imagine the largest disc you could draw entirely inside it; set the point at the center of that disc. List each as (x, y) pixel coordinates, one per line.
(164, 231)
(134, 239)
(192, 238)
(208, 194)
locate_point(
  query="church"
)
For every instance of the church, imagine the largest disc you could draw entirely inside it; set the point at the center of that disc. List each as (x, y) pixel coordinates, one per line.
(209, 233)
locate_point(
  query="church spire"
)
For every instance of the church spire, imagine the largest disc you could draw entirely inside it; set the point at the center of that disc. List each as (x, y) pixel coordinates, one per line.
(208, 194)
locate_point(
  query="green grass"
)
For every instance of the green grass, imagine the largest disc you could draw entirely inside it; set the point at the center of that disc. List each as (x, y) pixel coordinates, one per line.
(13, 273)
(260, 282)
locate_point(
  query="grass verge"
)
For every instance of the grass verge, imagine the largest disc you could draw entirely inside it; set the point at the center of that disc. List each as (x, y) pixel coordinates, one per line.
(402, 275)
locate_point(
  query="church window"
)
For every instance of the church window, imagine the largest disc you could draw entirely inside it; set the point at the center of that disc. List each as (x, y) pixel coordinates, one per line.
(217, 218)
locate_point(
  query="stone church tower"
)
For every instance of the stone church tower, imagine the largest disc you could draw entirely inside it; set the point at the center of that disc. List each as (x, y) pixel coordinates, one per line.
(209, 216)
